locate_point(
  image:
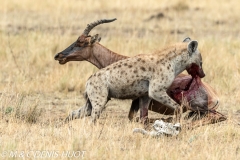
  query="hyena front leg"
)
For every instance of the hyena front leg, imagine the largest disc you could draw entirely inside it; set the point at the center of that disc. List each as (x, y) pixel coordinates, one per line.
(158, 93)
(164, 99)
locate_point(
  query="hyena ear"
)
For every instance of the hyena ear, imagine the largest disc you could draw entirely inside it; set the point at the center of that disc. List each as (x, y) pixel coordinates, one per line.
(188, 39)
(192, 47)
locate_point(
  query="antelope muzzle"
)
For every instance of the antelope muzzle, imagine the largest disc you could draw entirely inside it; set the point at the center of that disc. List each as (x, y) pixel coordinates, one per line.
(63, 57)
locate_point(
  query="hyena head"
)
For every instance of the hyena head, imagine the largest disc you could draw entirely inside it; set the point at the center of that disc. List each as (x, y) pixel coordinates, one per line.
(194, 63)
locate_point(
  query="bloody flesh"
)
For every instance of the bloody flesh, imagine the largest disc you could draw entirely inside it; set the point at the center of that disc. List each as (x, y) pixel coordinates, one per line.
(188, 88)
(200, 97)
(192, 89)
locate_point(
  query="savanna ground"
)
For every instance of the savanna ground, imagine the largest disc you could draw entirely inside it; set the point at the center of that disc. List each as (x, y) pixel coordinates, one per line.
(37, 92)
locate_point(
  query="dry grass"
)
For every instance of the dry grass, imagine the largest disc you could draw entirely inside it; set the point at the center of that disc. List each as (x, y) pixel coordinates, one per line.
(37, 92)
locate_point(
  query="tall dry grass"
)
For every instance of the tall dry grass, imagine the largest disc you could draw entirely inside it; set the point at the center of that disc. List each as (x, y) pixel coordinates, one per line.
(37, 92)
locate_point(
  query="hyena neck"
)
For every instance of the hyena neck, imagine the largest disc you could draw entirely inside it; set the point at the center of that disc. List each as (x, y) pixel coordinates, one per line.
(181, 63)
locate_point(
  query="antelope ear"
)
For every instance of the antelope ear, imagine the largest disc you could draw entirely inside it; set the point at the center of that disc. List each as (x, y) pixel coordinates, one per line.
(188, 39)
(99, 39)
(192, 47)
(94, 39)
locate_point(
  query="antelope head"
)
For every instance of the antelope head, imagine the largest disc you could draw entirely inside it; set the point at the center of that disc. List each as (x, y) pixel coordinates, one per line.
(80, 49)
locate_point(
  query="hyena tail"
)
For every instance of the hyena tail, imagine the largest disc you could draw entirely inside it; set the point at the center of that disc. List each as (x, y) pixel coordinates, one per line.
(85, 96)
(88, 105)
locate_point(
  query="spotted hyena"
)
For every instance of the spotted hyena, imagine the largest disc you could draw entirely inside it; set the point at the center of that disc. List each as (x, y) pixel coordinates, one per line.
(142, 75)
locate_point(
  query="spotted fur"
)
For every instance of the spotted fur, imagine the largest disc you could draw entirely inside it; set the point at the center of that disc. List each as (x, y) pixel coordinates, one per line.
(142, 75)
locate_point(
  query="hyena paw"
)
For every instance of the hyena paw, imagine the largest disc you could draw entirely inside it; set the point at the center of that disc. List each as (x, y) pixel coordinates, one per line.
(73, 115)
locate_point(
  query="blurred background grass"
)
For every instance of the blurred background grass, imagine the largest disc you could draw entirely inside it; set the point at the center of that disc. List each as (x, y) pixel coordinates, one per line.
(31, 33)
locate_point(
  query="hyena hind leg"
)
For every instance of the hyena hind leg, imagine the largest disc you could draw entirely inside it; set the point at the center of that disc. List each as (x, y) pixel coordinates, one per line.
(98, 105)
(84, 111)
(98, 96)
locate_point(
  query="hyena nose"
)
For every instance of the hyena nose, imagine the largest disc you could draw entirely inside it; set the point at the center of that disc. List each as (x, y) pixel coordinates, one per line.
(201, 74)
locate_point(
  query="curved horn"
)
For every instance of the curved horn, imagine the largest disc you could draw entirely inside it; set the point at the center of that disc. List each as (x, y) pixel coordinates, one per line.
(92, 25)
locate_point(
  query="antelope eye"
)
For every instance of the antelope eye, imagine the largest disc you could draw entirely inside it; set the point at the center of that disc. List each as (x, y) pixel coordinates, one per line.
(77, 44)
